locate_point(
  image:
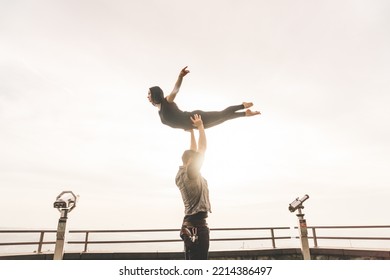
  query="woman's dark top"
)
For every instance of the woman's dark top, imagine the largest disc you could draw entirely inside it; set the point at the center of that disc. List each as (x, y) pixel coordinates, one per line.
(172, 116)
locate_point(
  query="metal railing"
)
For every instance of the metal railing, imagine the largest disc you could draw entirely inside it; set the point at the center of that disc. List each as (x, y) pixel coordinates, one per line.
(271, 234)
(86, 241)
(315, 236)
(40, 241)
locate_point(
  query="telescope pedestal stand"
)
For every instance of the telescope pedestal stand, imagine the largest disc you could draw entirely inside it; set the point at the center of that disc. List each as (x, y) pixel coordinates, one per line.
(303, 235)
(59, 249)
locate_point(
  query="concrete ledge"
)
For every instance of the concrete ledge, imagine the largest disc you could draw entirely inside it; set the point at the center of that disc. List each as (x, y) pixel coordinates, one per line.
(349, 254)
(264, 254)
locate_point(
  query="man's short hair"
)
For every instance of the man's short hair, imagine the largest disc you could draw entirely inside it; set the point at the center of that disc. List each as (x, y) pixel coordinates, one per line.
(187, 155)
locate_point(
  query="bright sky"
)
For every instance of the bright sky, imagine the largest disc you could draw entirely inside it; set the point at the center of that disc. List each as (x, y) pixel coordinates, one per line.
(74, 113)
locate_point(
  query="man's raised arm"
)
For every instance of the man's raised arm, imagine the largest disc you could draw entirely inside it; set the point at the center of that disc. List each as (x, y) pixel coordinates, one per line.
(202, 141)
(193, 169)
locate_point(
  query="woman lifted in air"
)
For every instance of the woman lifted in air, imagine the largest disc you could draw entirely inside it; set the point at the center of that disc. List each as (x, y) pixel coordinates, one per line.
(171, 115)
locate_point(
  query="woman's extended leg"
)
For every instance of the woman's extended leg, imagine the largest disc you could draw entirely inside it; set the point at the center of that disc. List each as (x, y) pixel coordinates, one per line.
(214, 118)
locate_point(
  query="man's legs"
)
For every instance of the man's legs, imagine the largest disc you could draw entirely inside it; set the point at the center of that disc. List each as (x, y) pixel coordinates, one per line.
(198, 250)
(204, 242)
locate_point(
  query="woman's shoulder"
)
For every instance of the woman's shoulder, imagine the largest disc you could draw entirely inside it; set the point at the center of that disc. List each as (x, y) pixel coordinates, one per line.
(170, 105)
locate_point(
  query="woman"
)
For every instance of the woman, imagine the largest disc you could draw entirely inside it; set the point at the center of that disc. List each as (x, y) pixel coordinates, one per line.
(171, 115)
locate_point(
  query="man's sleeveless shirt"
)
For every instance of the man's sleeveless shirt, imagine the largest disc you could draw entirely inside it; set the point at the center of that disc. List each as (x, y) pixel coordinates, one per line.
(195, 193)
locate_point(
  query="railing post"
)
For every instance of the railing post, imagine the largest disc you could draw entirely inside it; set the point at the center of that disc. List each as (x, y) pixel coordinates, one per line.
(40, 242)
(314, 237)
(86, 241)
(273, 238)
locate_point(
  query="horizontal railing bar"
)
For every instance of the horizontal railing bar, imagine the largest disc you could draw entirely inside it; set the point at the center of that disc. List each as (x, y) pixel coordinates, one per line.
(214, 229)
(352, 238)
(124, 241)
(122, 230)
(163, 230)
(248, 238)
(261, 228)
(344, 237)
(344, 227)
(227, 229)
(27, 231)
(26, 243)
(171, 240)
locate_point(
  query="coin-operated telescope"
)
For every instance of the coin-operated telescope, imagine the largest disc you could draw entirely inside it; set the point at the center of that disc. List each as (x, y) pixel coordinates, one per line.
(297, 204)
(65, 203)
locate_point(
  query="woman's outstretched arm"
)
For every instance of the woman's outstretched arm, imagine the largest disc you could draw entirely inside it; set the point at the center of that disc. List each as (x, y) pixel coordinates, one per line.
(183, 72)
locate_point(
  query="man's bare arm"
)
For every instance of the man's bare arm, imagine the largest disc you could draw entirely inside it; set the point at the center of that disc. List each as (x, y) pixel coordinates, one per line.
(193, 169)
(193, 146)
(202, 141)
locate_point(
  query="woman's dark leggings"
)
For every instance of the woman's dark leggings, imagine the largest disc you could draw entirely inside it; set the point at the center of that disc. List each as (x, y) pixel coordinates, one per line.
(213, 118)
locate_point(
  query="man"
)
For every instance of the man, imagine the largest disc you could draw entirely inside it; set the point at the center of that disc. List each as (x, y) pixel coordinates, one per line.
(194, 191)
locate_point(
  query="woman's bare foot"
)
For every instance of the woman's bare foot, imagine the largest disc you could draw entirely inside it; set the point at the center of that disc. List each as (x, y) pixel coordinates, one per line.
(247, 104)
(249, 113)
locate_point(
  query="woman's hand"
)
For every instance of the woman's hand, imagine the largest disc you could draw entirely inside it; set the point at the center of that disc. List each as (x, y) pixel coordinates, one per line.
(184, 72)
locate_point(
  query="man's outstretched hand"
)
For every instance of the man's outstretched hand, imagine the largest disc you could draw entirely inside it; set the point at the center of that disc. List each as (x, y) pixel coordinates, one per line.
(197, 121)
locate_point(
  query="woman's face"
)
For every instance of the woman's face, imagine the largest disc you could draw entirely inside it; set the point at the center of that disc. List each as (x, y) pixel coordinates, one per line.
(150, 97)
